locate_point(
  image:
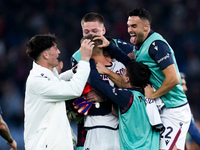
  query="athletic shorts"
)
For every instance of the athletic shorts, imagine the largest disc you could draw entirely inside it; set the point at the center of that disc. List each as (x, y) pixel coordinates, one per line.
(102, 139)
(176, 122)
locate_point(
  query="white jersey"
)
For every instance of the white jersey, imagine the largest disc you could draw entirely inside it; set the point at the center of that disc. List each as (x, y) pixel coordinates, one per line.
(108, 120)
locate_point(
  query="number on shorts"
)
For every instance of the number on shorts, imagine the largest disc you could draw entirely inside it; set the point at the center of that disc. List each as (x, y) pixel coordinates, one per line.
(167, 135)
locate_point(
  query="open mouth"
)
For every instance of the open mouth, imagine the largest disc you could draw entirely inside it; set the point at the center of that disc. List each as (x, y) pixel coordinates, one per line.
(133, 38)
(58, 58)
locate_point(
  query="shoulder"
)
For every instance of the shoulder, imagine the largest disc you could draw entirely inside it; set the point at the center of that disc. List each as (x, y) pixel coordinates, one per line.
(158, 46)
(126, 47)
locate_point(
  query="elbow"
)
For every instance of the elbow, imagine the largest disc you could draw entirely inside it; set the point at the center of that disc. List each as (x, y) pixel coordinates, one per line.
(175, 81)
(2, 127)
(78, 93)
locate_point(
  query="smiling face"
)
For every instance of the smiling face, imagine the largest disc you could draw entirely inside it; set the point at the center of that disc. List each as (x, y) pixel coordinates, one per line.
(93, 27)
(138, 29)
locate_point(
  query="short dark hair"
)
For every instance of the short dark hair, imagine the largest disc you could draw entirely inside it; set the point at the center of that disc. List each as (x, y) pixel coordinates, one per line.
(38, 43)
(138, 74)
(141, 13)
(92, 16)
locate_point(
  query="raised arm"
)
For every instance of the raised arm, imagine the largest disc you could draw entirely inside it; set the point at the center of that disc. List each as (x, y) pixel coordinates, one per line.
(5, 133)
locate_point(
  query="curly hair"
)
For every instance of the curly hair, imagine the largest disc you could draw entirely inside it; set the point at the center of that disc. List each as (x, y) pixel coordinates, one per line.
(38, 43)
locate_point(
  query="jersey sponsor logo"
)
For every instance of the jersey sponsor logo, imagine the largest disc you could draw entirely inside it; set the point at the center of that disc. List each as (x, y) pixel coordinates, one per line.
(163, 58)
(149, 101)
(141, 98)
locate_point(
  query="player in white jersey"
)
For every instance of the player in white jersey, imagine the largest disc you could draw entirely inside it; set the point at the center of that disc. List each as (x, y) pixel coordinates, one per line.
(101, 124)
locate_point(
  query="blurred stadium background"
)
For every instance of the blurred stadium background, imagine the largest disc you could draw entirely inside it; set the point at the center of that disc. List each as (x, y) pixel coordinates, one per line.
(177, 20)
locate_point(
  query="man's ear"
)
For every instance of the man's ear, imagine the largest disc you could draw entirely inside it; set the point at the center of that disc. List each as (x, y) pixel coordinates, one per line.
(61, 64)
(146, 26)
(45, 55)
(104, 30)
(127, 79)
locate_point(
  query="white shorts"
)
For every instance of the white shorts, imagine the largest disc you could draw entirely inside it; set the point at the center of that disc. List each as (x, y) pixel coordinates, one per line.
(102, 139)
(176, 122)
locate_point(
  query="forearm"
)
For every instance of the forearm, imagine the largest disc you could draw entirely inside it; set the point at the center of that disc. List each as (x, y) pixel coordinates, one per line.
(4, 132)
(170, 81)
(164, 89)
(117, 53)
(67, 75)
(117, 79)
(194, 132)
(65, 90)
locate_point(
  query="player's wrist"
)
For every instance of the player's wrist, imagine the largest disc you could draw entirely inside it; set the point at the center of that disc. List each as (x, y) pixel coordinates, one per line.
(85, 59)
(10, 141)
(107, 71)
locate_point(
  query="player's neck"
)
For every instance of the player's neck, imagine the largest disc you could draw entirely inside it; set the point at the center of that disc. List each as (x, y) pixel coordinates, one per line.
(44, 64)
(101, 59)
